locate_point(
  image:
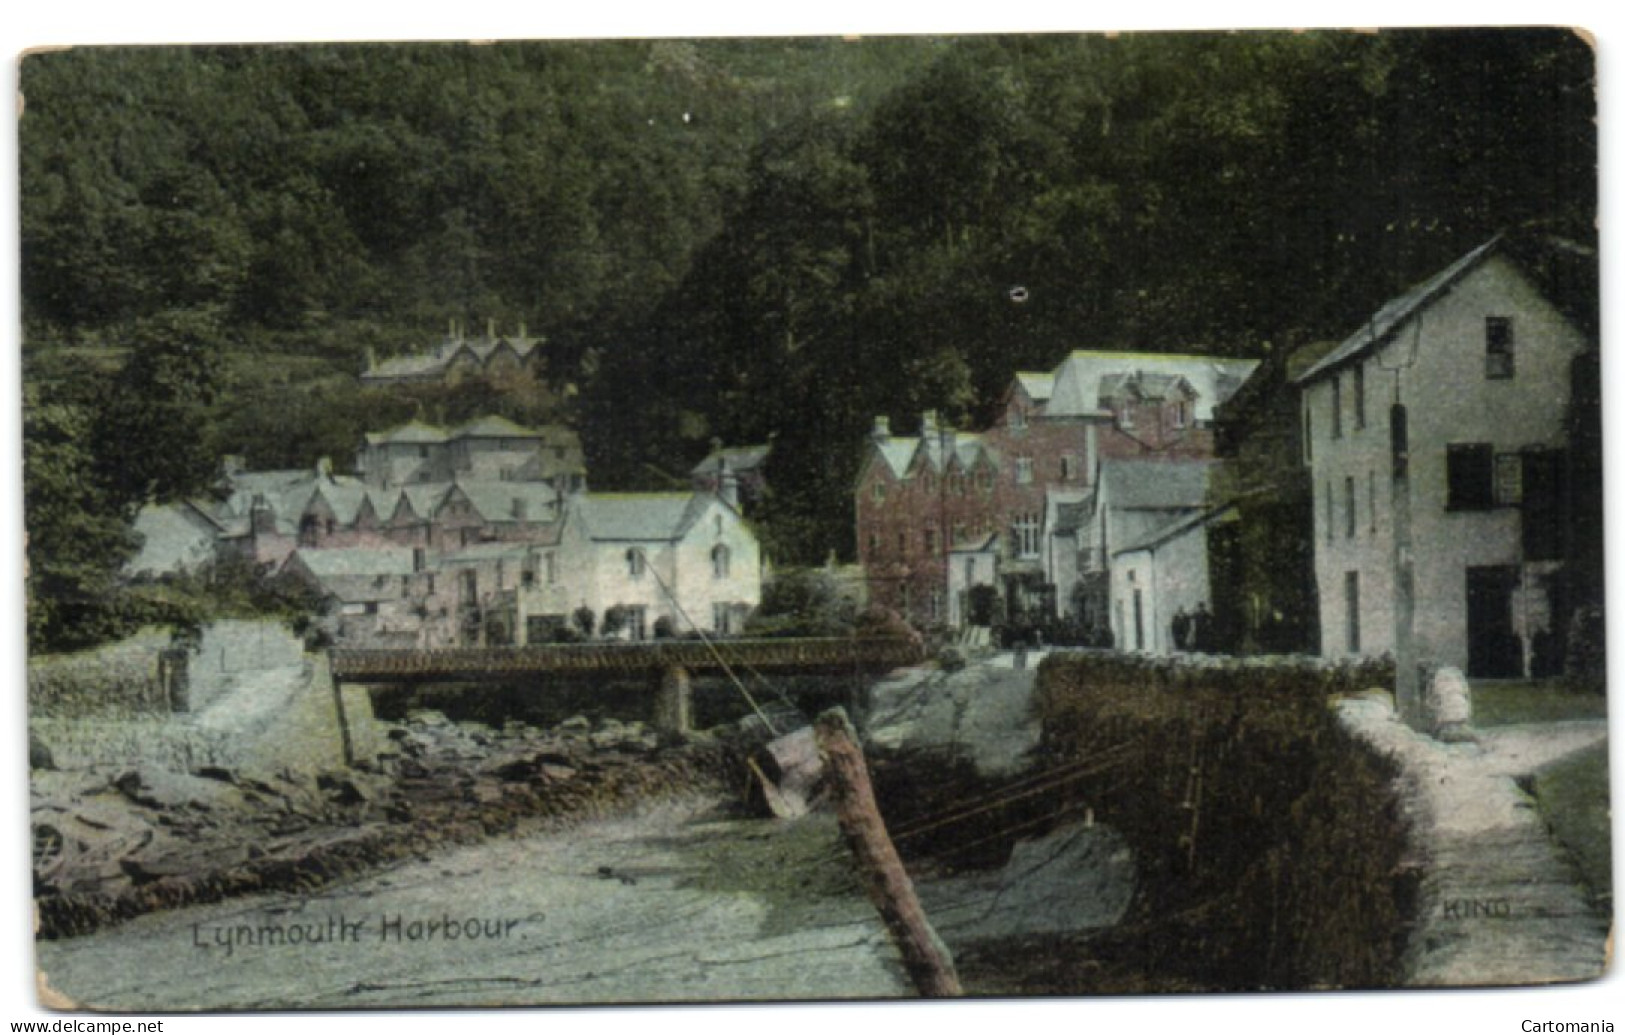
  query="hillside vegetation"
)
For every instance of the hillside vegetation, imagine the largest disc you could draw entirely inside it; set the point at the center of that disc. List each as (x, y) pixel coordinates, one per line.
(735, 239)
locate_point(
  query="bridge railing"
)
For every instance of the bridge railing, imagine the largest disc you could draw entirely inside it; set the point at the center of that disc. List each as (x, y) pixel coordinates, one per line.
(646, 656)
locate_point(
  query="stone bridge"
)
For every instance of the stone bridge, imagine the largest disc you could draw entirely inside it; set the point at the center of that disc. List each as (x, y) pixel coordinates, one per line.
(670, 661)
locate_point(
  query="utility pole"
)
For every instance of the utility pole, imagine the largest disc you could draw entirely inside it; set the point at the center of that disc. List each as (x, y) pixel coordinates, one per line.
(1407, 693)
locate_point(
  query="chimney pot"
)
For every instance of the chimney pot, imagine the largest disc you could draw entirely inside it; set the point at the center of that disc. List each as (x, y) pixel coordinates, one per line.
(882, 430)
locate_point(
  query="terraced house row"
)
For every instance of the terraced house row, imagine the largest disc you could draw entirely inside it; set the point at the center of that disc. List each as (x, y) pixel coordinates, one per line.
(483, 534)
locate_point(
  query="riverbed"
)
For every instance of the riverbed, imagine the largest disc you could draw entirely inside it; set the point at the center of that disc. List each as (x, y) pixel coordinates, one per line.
(676, 903)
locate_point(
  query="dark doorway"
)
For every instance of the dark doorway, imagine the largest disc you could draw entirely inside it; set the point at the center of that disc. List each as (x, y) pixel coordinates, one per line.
(1493, 648)
(1139, 623)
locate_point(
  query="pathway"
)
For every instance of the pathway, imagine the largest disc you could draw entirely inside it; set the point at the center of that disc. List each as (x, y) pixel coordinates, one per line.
(1499, 903)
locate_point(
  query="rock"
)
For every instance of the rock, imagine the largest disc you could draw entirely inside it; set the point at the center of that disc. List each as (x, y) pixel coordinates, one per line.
(1449, 705)
(39, 753)
(576, 724)
(427, 717)
(161, 789)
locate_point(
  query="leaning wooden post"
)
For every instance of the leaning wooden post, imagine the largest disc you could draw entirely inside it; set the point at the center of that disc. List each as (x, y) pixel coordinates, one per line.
(674, 701)
(928, 962)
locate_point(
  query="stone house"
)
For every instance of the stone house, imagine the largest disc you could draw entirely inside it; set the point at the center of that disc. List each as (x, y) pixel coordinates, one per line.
(1437, 437)
(927, 503)
(379, 596)
(460, 358)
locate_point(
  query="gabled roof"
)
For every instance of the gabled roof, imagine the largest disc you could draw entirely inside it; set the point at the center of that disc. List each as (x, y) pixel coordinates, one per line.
(1038, 386)
(433, 361)
(1078, 379)
(493, 426)
(494, 501)
(1155, 484)
(641, 516)
(898, 454)
(1397, 310)
(414, 432)
(739, 458)
(355, 561)
(1174, 529)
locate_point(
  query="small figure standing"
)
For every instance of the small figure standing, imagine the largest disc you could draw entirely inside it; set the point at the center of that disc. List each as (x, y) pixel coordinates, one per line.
(1201, 635)
(1182, 630)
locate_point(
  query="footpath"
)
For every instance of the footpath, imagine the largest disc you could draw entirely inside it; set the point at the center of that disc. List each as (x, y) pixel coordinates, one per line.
(1500, 903)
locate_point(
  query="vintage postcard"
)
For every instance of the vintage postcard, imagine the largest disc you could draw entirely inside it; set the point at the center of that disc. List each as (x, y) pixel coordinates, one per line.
(813, 519)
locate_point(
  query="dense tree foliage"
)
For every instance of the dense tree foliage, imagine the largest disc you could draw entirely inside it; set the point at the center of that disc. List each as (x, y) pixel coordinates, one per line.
(747, 239)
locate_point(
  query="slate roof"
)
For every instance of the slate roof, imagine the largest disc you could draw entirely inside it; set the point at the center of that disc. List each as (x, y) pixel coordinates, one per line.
(1078, 380)
(645, 516)
(740, 458)
(433, 361)
(493, 426)
(1038, 386)
(414, 432)
(484, 553)
(494, 501)
(1174, 529)
(1155, 485)
(1399, 309)
(968, 447)
(355, 561)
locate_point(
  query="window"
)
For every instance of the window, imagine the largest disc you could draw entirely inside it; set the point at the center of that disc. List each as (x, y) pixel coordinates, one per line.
(1069, 468)
(1331, 518)
(970, 571)
(1371, 499)
(551, 561)
(1125, 416)
(637, 618)
(1471, 476)
(1348, 508)
(879, 491)
(1498, 361)
(1308, 433)
(634, 562)
(1337, 406)
(930, 539)
(1179, 414)
(1351, 605)
(1024, 535)
(1508, 480)
(721, 560)
(1018, 418)
(1024, 470)
(1359, 396)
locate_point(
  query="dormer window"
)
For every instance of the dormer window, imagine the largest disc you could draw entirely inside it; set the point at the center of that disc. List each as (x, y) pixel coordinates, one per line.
(1179, 417)
(1018, 418)
(1125, 416)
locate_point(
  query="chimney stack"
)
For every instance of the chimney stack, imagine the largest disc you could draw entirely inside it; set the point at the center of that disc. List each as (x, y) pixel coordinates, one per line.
(928, 424)
(490, 328)
(882, 430)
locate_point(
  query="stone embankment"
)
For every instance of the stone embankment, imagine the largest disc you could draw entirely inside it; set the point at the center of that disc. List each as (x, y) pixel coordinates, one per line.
(1499, 903)
(115, 842)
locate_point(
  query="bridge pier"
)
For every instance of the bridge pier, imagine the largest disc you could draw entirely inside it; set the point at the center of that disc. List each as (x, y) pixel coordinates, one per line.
(674, 701)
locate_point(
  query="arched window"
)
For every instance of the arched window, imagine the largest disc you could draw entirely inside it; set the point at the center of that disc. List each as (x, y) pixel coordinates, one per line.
(720, 559)
(634, 562)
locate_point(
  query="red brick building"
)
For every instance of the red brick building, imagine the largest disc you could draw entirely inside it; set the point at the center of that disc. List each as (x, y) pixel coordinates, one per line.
(945, 510)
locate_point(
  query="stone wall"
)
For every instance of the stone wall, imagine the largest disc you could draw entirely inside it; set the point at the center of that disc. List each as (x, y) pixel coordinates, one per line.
(119, 680)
